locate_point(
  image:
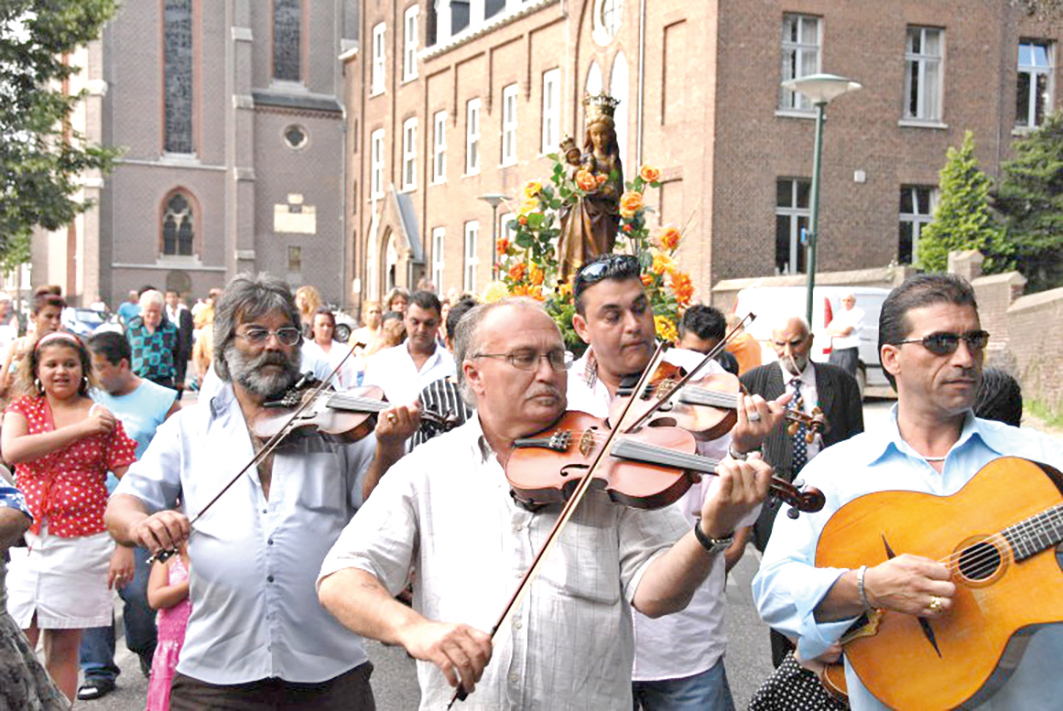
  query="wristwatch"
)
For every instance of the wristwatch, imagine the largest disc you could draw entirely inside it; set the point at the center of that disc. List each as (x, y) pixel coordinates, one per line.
(712, 545)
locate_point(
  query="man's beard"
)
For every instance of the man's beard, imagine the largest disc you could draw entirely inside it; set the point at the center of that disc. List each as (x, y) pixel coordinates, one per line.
(796, 366)
(248, 371)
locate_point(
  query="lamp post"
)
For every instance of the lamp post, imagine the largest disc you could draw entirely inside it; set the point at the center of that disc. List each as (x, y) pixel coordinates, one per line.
(821, 89)
(494, 200)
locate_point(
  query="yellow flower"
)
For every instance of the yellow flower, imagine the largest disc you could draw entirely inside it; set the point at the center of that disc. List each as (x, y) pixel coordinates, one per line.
(535, 275)
(666, 330)
(650, 174)
(534, 292)
(528, 205)
(532, 188)
(668, 238)
(662, 264)
(630, 203)
(495, 291)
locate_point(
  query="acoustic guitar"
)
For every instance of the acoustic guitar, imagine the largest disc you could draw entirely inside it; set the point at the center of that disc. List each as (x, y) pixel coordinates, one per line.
(997, 536)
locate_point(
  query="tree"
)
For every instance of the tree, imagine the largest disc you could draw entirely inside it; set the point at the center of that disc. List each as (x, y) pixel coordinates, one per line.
(1030, 197)
(963, 219)
(41, 156)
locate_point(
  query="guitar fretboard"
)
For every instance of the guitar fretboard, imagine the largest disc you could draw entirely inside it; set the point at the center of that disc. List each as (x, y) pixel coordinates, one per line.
(1036, 533)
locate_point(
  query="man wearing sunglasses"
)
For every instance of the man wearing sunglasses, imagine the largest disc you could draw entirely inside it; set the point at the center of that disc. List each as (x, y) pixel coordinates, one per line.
(446, 508)
(678, 658)
(257, 638)
(932, 347)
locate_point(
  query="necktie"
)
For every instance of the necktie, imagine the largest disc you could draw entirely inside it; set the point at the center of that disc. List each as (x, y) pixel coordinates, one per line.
(799, 435)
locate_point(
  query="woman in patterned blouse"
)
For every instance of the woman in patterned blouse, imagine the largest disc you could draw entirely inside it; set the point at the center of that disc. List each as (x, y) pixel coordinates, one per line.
(62, 446)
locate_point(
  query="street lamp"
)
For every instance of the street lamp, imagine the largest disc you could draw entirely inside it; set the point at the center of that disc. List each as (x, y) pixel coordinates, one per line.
(821, 89)
(494, 200)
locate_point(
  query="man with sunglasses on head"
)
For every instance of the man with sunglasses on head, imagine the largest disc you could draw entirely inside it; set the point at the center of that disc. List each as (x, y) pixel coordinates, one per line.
(932, 347)
(257, 637)
(679, 658)
(447, 508)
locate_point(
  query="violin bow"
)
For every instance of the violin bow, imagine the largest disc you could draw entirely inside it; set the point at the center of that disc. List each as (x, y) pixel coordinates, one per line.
(562, 520)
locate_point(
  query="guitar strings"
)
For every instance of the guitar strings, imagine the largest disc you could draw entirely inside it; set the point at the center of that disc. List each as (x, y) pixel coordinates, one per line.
(1035, 525)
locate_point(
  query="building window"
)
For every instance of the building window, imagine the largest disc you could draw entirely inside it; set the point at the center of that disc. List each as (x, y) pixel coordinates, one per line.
(295, 137)
(551, 110)
(295, 260)
(791, 223)
(607, 16)
(378, 58)
(409, 44)
(509, 125)
(178, 77)
(439, 235)
(472, 137)
(1033, 97)
(439, 147)
(287, 39)
(917, 209)
(923, 73)
(472, 231)
(409, 154)
(376, 164)
(800, 57)
(178, 231)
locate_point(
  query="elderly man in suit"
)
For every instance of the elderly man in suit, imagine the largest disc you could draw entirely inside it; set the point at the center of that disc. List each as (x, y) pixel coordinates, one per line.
(812, 385)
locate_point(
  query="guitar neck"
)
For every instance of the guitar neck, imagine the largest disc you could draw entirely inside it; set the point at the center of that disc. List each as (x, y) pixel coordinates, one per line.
(1035, 534)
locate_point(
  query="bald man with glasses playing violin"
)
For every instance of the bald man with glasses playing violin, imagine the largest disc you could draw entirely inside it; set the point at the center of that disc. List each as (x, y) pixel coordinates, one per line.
(932, 347)
(447, 508)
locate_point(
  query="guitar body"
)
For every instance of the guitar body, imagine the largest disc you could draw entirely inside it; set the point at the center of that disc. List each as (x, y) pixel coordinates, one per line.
(967, 653)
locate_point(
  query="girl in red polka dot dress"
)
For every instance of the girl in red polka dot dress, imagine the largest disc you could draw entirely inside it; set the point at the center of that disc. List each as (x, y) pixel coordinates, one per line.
(62, 445)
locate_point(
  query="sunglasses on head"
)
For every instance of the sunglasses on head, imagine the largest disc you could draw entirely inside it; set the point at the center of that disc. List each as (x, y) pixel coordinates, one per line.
(611, 266)
(947, 343)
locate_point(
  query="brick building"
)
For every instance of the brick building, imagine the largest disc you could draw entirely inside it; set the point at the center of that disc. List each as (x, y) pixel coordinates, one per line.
(230, 115)
(451, 100)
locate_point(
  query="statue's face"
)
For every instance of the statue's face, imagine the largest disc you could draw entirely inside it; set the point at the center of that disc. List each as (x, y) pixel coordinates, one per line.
(599, 134)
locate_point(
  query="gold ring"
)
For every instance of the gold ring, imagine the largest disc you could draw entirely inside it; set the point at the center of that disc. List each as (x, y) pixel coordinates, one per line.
(935, 604)
(392, 418)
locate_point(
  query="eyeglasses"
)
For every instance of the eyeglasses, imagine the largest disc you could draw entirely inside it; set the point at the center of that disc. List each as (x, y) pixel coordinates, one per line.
(946, 343)
(558, 359)
(287, 336)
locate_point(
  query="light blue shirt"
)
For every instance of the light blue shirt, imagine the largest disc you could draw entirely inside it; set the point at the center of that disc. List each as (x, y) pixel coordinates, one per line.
(141, 411)
(788, 586)
(254, 560)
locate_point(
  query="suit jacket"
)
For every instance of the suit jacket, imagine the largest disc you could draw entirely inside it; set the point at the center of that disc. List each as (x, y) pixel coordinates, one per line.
(839, 398)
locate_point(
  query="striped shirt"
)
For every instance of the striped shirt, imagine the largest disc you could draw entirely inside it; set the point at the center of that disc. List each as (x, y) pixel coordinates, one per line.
(443, 397)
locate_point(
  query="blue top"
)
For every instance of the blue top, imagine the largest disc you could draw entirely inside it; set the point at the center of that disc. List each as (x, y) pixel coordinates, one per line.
(789, 586)
(11, 498)
(128, 311)
(141, 411)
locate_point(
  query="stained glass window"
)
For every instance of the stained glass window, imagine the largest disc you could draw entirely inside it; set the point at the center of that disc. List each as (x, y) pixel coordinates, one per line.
(178, 77)
(177, 228)
(287, 29)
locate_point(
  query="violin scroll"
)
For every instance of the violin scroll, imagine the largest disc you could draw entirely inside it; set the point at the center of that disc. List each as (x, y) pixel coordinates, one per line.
(800, 498)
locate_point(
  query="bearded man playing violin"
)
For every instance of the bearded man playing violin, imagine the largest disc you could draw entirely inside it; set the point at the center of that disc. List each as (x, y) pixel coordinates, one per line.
(257, 637)
(932, 348)
(447, 508)
(679, 658)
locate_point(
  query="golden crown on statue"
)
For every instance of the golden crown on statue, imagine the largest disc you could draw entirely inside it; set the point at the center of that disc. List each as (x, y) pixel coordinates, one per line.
(600, 107)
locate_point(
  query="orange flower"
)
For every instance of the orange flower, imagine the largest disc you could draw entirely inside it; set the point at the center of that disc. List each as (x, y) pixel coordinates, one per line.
(626, 228)
(535, 292)
(522, 220)
(630, 203)
(662, 264)
(682, 287)
(601, 178)
(532, 188)
(668, 238)
(536, 275)
(647, 279)
(503, 246)
(586, 180)
(516, 272)
(650, 174)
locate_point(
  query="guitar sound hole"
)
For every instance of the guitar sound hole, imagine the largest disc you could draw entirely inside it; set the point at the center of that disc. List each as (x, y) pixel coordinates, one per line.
(979, 561)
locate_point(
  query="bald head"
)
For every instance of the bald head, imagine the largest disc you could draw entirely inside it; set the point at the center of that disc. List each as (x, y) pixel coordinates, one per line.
(792, 342)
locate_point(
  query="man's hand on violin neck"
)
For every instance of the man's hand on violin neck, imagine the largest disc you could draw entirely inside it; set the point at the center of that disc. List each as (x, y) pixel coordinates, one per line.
(397, 424)
(741, 488)
(461, 652)
(756, 419)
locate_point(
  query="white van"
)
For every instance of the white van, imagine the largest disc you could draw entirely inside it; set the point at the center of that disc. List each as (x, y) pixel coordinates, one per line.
(774, 304)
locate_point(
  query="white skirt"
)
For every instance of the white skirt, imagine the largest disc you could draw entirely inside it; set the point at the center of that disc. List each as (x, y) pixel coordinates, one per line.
(62, 580)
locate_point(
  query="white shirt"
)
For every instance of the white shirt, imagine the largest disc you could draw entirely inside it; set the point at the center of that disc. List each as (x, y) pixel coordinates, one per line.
(394, 371)
(347, 377)
(446, 509)
(254, 560)
(853, 317)
(691, 641)
(809, 398)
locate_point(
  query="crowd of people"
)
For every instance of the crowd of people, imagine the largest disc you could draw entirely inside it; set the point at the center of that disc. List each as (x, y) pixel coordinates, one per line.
(252, 564)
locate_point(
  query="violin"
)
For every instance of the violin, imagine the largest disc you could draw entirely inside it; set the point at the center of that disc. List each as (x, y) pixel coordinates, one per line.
(706, 407)
(648, 469)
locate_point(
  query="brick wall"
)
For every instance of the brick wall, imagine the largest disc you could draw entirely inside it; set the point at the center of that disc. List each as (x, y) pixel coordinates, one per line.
(1034, 323)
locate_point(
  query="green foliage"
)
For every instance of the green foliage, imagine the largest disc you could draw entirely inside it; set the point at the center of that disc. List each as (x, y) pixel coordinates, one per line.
(41, 157)
(1030, 197)
(963, 219)
(16, 252)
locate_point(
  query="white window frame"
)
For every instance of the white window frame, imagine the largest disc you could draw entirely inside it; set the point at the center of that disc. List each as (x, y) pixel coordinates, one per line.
(439, 239)
(929, 70)
(471, 256)
(409, 154)
(794, 214)
(376, 164)
(439, 147)
(410, 43)
(472, 137)
(551, 135)
(794, 54)
(509, 125)
(917, 219)
(1029, 73)
(379, 58)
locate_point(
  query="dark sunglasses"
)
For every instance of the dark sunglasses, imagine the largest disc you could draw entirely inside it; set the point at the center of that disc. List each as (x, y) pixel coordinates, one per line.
(612, 266)
(947, 343)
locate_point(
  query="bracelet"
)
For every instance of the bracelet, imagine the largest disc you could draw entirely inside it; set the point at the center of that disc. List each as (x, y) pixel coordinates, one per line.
(739, 456)
(868, 607)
